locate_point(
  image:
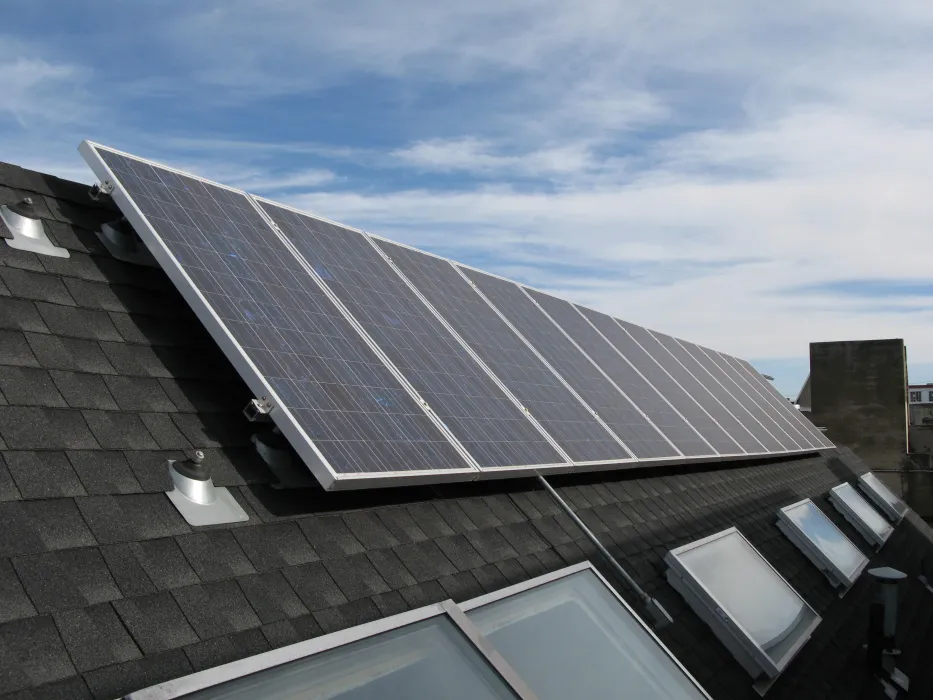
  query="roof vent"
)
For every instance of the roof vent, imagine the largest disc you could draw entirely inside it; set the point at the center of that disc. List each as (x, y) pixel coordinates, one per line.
(196, 497)
(882, 632)
(23, 221)
(123, 243)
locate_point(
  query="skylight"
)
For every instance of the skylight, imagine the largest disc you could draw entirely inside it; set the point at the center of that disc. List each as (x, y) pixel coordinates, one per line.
(822, 542)
(859, 513)
(569, 635)
(424, 653)
(889, 504)
(747, 604)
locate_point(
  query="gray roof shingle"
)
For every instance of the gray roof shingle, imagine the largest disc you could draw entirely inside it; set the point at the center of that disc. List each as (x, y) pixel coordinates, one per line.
(105, 373)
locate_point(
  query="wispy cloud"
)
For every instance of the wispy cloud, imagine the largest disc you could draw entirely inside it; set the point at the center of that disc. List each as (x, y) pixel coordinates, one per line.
(750, 177)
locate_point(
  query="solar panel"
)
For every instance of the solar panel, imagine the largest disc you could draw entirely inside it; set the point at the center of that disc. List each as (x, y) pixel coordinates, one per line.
(727, 393)
(383, 364)
(617, 368)
(676, 362)
(781, 402)
(763, 402)
(490, 426)
(341, 406)
(546, 397)
(626, 421)
(655, 373)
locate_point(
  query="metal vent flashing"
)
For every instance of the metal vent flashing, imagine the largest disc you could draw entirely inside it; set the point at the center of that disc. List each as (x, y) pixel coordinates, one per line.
(196, 497)
(123, 243)
(26, 227)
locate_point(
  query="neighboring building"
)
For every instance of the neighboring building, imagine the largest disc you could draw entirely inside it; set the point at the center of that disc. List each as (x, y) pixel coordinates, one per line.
(106, 373)
(920, 401)
(804, 401)
(859, 394)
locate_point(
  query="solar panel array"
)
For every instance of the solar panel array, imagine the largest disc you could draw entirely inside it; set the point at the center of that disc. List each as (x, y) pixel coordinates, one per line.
(387, 365)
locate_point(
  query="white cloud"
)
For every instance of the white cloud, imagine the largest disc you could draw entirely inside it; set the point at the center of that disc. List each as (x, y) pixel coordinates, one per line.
(681, 168)
(30, 88)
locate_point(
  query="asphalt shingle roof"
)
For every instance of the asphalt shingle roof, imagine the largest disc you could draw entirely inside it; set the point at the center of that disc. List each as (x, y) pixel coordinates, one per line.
(105, 374)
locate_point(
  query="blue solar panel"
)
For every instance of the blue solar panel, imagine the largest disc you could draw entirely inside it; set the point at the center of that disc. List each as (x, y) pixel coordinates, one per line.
(655, 373)
(491, 427)
(626, 421)
(717, 384)
(672, 365)
(548, 400)
(282, 325)
(645, 396)
(779, 402)
(748, 397)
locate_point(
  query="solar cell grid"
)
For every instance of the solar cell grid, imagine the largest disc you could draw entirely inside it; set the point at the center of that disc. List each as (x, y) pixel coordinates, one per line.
(788, 435)
(626, 421)
(344, 398)
(474, 408)
(655, 373)
(781, 403)
(729, 395)
(673, 359)
(573, 427)
(637, 388)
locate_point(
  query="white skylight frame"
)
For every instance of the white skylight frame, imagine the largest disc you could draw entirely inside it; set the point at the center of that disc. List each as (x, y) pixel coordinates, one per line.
(851, 509)
(585, 568)
(181, 688)
(813, 551)
(886, 501)
(753, 657)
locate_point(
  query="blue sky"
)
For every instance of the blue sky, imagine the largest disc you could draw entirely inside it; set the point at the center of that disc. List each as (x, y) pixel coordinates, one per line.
(748, 177)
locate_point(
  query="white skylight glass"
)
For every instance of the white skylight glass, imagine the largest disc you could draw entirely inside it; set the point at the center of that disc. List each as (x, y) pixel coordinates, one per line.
(872, 526)
(422, 654)
(571, 636)
(881, 495)
(822, 542)
(749, 606)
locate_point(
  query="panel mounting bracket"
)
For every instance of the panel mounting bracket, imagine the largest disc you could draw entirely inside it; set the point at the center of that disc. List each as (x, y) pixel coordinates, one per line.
(258, 410)
(99, 188)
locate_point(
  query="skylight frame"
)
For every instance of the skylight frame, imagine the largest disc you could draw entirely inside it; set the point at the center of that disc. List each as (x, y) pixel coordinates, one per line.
(836, 576)
(181, 688)
(738, 640)
(870, 489)
(876, 539)
(574, 570)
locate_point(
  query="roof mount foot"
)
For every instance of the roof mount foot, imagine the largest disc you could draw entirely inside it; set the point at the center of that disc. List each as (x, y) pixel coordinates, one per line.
(123, 243)
(275, 451)
(25, 229)
(196, 497)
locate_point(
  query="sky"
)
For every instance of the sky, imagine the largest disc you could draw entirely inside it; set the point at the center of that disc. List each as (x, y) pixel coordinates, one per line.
(752, 177)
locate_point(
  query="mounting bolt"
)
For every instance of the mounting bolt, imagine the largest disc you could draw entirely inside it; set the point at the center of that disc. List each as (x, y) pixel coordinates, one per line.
(198, 457)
